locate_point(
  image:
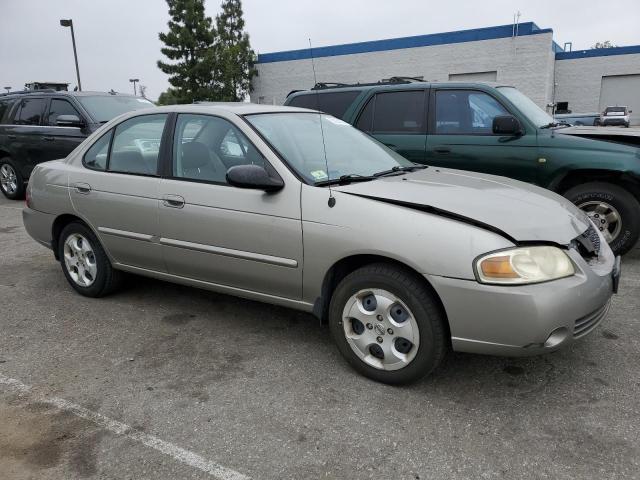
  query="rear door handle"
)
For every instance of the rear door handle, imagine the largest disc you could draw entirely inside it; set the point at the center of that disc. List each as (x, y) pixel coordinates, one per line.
(48, 139)
(11, 137)
(173, 201)
(82, 187)
(442, 150)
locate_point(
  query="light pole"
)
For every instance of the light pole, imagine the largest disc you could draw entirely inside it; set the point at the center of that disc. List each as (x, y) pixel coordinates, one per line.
(69, 23)
(134, 81)
(8, 89)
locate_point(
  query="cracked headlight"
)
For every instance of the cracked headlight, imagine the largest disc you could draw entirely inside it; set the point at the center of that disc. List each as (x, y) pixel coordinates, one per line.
(523, 265)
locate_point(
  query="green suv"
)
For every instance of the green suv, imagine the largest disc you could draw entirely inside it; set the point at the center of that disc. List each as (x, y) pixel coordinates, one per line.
(496, 129)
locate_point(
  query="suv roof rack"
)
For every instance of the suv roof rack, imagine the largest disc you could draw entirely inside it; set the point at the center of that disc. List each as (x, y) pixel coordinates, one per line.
(32, 92)
(384, 81)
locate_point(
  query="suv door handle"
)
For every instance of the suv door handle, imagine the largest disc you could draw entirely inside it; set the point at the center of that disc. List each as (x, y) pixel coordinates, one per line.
(48, 139)
(11, 137)
(82, 187)
(442, 150)
(173, 201)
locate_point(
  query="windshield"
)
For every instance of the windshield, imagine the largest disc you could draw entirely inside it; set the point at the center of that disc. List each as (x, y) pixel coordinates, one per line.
(527, 106)
(298, 139)
(615, 110)
(105, 107)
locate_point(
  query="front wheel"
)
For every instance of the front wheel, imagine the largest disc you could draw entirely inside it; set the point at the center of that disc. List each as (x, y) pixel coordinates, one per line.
(614, 211)
(11, 181)
(388, 324)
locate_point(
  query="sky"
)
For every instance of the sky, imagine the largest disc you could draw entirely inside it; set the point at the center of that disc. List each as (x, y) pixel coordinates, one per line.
(118, 39)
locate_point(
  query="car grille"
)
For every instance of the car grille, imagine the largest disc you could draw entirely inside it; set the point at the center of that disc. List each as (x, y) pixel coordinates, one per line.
(587, 323)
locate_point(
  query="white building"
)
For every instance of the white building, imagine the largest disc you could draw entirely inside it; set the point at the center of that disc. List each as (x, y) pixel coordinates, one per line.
(524, 56)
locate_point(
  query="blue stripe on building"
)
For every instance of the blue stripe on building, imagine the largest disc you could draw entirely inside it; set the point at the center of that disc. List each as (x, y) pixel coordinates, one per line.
(488, 33)
(598, 52)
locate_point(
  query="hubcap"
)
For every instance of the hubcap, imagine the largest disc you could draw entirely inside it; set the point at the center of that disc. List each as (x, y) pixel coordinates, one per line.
(79, 260)
(606, 218)
(380, 329)
(8, 179)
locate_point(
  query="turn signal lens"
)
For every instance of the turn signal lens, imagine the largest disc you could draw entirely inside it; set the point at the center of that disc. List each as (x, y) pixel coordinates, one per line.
(524, 265)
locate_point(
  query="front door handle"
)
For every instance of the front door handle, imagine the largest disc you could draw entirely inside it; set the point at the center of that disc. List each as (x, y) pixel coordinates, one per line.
(173, 201)
(81, 187)
(442, 150)
(48, 139)
(11, 137)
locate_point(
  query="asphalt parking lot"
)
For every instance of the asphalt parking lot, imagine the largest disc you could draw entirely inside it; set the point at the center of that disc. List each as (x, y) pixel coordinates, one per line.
(163, 382)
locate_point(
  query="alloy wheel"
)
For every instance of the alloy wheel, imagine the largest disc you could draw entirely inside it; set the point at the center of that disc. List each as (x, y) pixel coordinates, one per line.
(380, 329)
(606, 218)
(80, 260)
(8, 179)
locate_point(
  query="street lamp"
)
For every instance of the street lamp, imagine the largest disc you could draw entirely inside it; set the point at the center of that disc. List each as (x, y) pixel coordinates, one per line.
(134, 81)
(8, 89)
(69, 23)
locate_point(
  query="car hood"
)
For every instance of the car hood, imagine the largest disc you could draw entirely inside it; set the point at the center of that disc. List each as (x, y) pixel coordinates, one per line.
(517, 210)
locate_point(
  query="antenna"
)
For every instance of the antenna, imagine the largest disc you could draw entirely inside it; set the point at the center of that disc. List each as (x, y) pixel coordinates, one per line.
(332, 200)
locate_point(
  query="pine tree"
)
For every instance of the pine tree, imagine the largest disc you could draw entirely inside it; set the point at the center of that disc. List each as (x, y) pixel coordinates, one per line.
(188, 44)
(233, 57)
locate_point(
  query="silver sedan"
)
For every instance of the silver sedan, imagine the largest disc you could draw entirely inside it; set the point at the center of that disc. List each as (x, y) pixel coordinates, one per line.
(297, 208)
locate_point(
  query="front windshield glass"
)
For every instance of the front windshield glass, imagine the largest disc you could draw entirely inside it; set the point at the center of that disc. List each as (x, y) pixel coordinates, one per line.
(527, 106)
(298, 139)
(105, 107)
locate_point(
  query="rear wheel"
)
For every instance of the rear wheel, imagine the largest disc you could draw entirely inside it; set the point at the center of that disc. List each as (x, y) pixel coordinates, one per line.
(85, 263)
(614, 211)
(388, 324)
(11, 181)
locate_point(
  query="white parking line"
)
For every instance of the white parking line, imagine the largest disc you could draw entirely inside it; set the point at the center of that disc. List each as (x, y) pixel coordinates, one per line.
(180, 454)
(9, 206)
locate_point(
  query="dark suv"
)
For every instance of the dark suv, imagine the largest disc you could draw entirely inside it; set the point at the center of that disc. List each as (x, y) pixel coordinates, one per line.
(496, 129)
(41, 125)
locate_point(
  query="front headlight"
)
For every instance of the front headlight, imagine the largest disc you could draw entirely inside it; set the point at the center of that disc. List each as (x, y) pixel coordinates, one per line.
(524, 265)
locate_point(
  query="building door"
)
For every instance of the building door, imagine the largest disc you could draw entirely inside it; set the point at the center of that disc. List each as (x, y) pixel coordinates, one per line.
(623, 91)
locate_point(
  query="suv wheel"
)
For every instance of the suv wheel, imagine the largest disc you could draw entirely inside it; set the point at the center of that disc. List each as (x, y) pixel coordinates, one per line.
(387, 324)
(614, 210)
(84, 262)
(11, 181)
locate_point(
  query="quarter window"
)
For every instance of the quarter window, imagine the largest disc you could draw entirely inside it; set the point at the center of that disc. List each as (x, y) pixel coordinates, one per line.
(399, 112)
(136, 145)
(31, 111)
(60, 107)
(96, 156)
(205, 147)
(465, 112)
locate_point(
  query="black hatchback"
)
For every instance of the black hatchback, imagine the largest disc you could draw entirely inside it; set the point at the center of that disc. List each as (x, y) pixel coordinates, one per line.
(42, 125)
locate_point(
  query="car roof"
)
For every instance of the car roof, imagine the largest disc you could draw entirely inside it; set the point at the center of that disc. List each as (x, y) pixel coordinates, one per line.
(395, 86)
(238, 108)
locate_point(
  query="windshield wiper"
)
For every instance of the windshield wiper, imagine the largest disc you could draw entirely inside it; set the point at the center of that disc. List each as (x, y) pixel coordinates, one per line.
(345, 179)
(397, 169)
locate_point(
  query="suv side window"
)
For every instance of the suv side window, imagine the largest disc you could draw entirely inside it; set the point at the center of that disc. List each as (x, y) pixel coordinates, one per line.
(398, 113)
(205, 147)
(31, 110)
(333, 103)
(6, 106)
(136, 145)
(60, 107)
(466, 112)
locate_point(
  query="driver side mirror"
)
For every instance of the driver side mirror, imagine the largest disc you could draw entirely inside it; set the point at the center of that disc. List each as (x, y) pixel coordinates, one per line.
(255, 177)
(69, 121)
(506, 125)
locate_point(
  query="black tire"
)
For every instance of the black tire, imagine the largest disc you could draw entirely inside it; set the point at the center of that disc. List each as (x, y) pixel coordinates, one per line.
(107, 279)
(418, 297)
(622, 200)
(18, 194)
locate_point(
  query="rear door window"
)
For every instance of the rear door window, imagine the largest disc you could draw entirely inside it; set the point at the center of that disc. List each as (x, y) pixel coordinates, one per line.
(400, 113)
(136, 145)
(31, 110)
(333, 103)
(5, 109)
